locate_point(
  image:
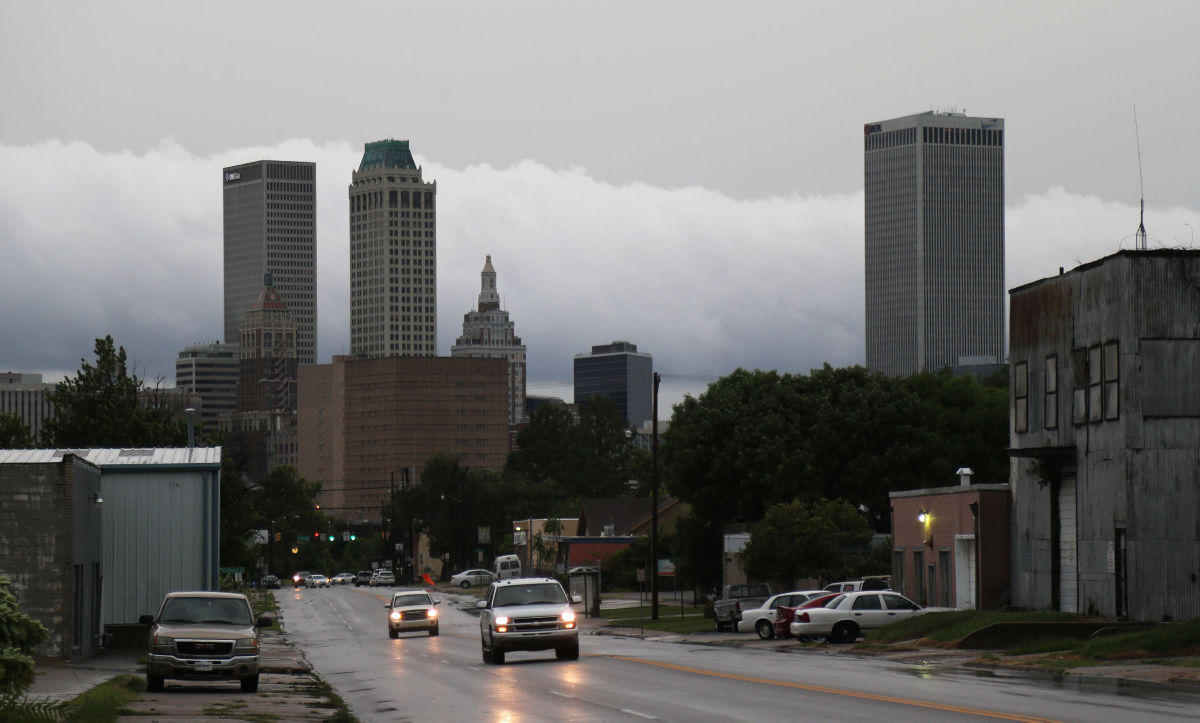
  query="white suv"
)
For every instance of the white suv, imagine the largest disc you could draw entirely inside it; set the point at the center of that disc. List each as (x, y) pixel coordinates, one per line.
(528, 613)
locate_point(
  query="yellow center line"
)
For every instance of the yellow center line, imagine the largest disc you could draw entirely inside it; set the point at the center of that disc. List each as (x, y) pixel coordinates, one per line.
(836, 691)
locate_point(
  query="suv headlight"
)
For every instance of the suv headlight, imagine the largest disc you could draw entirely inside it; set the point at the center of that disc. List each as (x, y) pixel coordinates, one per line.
(567, 618)
(396, 615)
(246, 645)
(501, 623)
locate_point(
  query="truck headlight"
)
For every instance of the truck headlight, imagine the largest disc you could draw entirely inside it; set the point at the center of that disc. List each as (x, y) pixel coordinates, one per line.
(162, 644)
(246, 645)
(567, 618)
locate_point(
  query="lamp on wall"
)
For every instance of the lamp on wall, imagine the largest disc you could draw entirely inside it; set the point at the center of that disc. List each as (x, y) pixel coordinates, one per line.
(97, 499)
(925, 518)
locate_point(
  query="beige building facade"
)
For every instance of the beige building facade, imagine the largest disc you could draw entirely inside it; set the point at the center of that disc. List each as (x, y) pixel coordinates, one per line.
(366, 425)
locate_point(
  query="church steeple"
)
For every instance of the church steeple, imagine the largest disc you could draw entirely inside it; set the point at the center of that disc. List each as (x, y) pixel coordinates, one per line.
(489, 298)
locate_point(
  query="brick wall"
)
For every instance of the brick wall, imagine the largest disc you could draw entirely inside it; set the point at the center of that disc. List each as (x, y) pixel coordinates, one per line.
(36, 522)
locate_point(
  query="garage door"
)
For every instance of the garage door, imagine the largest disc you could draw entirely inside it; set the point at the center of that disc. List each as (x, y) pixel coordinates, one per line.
(1068, 566)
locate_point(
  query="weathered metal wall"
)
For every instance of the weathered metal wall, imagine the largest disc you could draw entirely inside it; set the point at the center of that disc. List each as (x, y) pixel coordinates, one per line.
(160, 536)
(1137, 474)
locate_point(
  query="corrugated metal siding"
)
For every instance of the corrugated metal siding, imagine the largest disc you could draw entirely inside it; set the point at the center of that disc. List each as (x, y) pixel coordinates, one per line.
(158, 538)
(204, 456)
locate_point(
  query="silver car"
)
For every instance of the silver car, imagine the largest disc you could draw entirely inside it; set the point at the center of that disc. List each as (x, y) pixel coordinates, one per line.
(528, 613)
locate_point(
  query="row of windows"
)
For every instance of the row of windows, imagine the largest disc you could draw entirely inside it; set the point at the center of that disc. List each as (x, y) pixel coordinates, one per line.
(1097, 393)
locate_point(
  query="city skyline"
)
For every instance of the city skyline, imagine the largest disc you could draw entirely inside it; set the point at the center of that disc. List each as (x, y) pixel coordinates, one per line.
(716, 234)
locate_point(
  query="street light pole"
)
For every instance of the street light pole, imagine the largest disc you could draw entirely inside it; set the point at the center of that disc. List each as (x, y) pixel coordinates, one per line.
(654, 504)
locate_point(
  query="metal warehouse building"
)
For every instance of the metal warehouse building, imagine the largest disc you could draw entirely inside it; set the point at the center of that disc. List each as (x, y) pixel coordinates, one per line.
(95, 538)
(1105, 437)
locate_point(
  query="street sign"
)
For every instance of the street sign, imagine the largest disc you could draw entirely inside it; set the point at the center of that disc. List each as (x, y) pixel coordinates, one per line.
(485, 535)
(519, 538)
(666, 568)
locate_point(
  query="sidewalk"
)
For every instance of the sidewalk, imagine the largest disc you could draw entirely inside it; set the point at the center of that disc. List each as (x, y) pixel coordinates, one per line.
(59, 680)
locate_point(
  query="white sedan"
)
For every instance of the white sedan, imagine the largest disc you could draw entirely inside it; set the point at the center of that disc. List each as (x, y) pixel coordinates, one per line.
(762, 619)
(844, 618)
(467, 578)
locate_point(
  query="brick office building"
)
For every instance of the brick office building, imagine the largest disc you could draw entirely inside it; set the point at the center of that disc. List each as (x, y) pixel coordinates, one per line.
(366, 424)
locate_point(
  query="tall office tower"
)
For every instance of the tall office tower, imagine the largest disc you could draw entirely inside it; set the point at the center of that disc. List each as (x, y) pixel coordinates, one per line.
(621, 373)
(207, 374)
(488, 333)
(934, 249)
(271, 227)
(393, 255)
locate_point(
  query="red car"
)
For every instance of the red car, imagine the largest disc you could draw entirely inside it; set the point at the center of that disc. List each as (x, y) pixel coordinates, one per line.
(784, 616)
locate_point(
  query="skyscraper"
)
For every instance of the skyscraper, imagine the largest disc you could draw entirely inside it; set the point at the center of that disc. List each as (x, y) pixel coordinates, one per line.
(488, 332)
(207, 374)
(621, 373)
(270, 227)
(934, 248)
(393, 255)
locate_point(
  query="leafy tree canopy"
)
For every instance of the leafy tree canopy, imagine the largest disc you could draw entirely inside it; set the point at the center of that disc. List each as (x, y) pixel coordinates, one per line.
(107, 406)
(823, 539)
(14, 434)
(19, 634)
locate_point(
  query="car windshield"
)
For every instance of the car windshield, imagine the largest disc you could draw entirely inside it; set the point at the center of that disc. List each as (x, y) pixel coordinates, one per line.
(835, 602)
(401, 601)
(542, 594)
(198, 610)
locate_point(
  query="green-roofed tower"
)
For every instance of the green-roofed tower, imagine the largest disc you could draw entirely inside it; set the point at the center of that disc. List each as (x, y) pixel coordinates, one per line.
(393, 255)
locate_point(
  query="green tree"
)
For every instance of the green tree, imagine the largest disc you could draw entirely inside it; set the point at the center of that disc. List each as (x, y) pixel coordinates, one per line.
(19, 635)
(757, 439)
(823, 539)
(14, 434)
(283, 502)
(561, 460)
(108, 406)
(451, 504)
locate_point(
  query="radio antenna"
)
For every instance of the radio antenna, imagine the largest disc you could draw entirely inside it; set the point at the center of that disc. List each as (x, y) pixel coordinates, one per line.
(1140, 236)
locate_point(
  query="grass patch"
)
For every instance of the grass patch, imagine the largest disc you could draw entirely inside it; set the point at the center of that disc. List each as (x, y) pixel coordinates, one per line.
(263, 601)
(1045, 645)
(1166, 640)
(669, 619)
(105, 702)
(949, 627)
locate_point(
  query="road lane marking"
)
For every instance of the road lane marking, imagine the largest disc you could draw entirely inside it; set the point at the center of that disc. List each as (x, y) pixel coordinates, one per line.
(629, 711)
(563, 695)
(836, 691)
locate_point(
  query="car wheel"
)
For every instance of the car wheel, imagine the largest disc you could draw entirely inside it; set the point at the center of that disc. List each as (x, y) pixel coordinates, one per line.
(844, 632)
(720, 627)
(393, 633)
(465, 584)
(497, 656)
(765, 629)
(487, 657)
(568, 652)
(433, 631)
(155, 683)
(250, 685)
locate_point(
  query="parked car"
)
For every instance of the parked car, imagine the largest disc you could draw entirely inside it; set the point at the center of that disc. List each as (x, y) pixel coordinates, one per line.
(844, 618)
(343, 578)
(317, 581)
(528, 613)
(382, 578)
(299, 578)
(363, 577)
(785, 614)
(735, 598)
(412, 610)
(467, 578)
(269, 582)
(762, 619)
(205, 635)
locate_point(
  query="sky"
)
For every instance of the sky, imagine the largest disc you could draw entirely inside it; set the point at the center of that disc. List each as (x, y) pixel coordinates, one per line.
(683, 175)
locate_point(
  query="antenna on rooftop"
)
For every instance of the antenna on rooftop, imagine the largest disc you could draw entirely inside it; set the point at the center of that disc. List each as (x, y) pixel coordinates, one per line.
(1140, 236)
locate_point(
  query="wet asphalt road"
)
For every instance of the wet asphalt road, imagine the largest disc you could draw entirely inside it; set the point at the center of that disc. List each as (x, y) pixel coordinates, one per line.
(342, 632)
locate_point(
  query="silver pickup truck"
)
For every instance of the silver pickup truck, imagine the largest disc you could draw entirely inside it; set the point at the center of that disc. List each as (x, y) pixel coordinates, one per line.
(735, 598)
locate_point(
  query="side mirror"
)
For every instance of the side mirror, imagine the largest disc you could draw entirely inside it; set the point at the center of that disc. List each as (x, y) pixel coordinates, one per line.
(481, 604)
(576, 599)
(387, 604)
(146, 620)
(437, 602)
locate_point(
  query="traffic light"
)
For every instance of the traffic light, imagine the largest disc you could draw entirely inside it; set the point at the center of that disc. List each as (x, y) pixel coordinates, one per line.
(316, 535)
(353, 537)
(332, 537)
(278, 536)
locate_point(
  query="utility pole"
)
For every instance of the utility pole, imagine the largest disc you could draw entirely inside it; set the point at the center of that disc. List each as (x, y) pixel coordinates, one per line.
(391, 520)
(654, 503)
